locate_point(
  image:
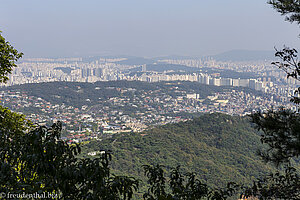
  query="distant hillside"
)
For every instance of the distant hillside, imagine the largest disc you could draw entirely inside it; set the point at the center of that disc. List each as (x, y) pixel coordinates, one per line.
(218, 147)
(169, 67)
(176, 57)
(245, 55)
(161, 67)
(66, 70)
(88, 59)
(227, 73)
(136, 61)
(78, 93)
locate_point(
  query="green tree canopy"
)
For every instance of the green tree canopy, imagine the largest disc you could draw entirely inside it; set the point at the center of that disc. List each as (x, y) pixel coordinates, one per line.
(289, 8)
(8, 56)
(281, 128)
(35, 159)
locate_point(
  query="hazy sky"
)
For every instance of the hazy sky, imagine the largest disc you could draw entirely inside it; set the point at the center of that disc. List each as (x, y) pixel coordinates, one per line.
(61, 28)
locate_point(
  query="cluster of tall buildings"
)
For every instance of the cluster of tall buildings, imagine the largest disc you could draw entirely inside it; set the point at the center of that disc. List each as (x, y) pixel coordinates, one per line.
(48, 72)
(86, 72)
(257, 84)
(36, 71)
(251, 83)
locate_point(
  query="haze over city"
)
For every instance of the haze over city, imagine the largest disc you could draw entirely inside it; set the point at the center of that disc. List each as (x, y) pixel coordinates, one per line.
(149, 99)
(142, 28)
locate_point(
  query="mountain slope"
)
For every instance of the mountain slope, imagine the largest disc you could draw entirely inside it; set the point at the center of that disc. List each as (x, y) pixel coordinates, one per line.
(218, 147)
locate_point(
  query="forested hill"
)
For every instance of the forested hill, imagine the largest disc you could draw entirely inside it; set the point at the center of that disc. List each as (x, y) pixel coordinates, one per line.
(78, 94)
(218, 147)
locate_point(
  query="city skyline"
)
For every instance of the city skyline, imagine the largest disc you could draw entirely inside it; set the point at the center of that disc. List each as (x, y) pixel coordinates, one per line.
(143, 28)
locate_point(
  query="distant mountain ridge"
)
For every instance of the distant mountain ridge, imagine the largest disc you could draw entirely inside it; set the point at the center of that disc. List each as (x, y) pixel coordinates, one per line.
(245, 55)
(161, 67)
(131, 60)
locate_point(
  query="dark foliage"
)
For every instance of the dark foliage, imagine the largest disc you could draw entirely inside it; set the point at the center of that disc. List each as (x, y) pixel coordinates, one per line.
(291, 66)
(281, 128)
(8, 56)
(277, 186)
(181, 186)
(289, 8)
(35, 160)
(281, 132)
(289, 63)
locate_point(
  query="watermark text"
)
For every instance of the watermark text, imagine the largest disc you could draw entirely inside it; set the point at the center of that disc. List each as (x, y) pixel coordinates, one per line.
(36, 195)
